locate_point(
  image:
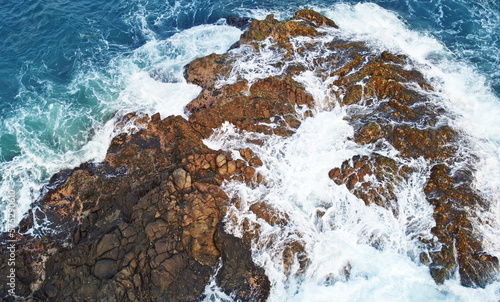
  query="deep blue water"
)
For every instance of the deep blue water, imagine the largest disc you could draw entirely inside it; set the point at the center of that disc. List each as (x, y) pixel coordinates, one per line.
(60, 63)
(65, 65)
(50, 40)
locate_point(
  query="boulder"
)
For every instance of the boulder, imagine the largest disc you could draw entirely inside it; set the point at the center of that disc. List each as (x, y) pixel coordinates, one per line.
(105, 269)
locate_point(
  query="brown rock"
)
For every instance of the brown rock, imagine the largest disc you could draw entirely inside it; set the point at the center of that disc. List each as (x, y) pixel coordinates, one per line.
(314, 18)
(182, 179)
(105, 269)
(204, 71)
(352, 173)
(353, 95)
(269, 214)
(247, 284)
(156, 229)
(231, 167)
(220, 160)
(246, 153)
(369, 133)
(268, 97)
(249, 173)
(255, 162)
(454, 230)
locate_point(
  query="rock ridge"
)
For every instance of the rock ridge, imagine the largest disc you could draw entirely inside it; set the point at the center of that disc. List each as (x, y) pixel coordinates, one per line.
(147, 224)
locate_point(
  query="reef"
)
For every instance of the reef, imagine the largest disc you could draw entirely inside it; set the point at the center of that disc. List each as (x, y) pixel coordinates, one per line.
(147, 224)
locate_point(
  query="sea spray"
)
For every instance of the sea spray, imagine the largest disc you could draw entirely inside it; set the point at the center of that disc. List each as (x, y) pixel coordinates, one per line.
(473, 106)
(296, 173)
(444, 72)
(64, 136)
(378, 250)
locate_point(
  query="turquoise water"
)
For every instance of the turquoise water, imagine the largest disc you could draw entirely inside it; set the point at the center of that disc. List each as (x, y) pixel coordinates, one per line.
(70, 69)
(66, 66)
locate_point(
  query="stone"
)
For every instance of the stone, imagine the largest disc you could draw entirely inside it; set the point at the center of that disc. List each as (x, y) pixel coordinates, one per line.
(105, 269)
(315, 18)
(108, 242)
(156, 229)
(353, 95)
(239, 22)
(246, 153)
(369, 133)
(238, 279)
(268, 97)
(353, 172)
(231, 167)
(255, 162)
(220, 160)
(269, 214)
(182, 179)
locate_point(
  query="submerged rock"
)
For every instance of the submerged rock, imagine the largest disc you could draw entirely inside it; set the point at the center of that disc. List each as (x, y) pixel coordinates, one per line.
(239, 22)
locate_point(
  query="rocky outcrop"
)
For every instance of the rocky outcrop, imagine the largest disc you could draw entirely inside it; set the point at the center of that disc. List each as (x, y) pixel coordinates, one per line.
(147, 223)
(388, 104)
(304, 23)
(451, 196)
(269, 108)
(397, 109)
(379, 188)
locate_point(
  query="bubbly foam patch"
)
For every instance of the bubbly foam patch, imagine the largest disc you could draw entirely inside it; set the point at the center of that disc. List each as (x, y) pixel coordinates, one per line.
(458, 86)
(72, 124)
(357, 252)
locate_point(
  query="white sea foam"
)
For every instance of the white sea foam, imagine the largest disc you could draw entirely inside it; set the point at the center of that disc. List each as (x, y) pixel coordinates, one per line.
(55, 134)
(461, 89)
(378, 249)
(151, 80)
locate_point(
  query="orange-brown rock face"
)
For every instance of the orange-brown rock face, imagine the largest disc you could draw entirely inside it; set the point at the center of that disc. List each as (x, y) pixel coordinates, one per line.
(393, 111)
(147, 223)
(451, 197)
(398, 110)
(306, 24)
(388, 103)
(380, 189)
(270, 98)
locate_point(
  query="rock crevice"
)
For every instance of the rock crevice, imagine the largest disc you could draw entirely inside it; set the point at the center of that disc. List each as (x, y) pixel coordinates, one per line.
(147, 223)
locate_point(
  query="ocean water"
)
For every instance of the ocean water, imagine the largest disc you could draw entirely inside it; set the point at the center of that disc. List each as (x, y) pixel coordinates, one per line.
(70, 69)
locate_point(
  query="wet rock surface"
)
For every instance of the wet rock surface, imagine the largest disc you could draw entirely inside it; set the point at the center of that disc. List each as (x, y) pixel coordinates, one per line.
(147, 223)
(142, 226)
(389, 106)
(371, 179)
(396, 106)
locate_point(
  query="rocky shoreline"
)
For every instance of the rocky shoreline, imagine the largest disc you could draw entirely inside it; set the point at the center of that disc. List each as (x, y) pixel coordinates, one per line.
(147, 224)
